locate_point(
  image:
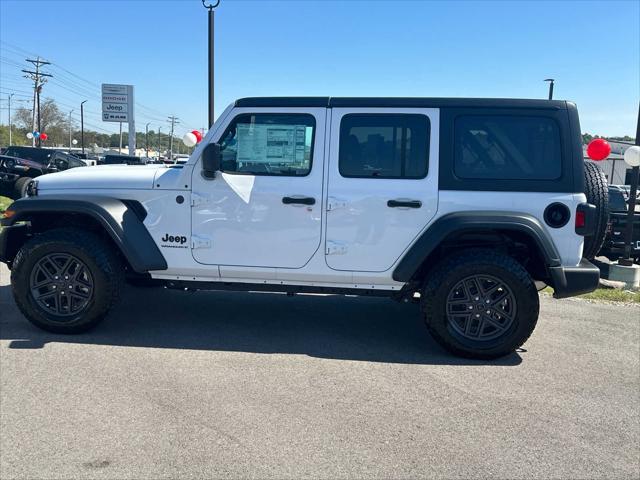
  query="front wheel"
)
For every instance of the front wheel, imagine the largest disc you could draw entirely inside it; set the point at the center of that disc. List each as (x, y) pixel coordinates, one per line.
(480, 304)
(21, 187)
(66, 280)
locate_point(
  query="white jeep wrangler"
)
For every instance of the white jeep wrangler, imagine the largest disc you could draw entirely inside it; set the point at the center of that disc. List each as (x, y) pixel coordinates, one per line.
(460, 204)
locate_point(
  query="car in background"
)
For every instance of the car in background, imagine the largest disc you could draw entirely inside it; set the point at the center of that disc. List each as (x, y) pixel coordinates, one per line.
(90, 159)
(122, 160)
(613, 247)
(19, 165)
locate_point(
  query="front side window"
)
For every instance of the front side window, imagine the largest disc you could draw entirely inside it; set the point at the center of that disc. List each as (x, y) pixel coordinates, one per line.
(384, 146)
(507, 147)
(269, 144)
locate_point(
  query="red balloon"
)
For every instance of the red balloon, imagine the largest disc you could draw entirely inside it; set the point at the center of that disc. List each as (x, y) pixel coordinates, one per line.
(197, 134)
(43, 136)
(598, 149)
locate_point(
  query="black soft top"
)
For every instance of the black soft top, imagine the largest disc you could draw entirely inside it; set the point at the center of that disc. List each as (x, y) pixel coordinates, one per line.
(400, 102)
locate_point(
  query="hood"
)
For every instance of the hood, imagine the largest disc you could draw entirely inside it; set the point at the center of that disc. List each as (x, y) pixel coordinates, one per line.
(102, 176)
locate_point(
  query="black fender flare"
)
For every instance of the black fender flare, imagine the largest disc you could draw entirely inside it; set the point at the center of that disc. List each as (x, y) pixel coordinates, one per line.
(121, 219)
(469, 221)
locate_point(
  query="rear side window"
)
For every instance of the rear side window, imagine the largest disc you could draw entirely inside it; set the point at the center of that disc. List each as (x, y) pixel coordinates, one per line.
(507, 147)
(384, 146)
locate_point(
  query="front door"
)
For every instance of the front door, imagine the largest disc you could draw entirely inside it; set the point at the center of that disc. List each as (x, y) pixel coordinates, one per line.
(383, 184)
(264, 208)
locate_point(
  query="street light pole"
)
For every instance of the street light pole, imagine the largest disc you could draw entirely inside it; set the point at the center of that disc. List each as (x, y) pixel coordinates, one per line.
(10, 95)
(120, 144)
(159, 140)
(211, 7)
(82, 124)
(550, 80)
(70, 130)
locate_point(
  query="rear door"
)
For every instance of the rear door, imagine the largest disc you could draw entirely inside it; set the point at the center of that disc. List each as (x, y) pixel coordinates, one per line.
(383, 184)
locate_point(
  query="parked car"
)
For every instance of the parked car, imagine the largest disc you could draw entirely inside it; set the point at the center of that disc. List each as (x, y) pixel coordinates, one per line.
(459, 204)
(614, 241)
(122, 160)
(20, 165)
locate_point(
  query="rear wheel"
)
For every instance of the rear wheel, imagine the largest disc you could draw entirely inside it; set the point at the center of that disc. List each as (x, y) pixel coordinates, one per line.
(597, 193)
(480, 304)
(66, 280)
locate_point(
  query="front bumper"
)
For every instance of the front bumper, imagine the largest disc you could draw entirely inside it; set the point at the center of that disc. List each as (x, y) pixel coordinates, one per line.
(570, 281)
(11, 239)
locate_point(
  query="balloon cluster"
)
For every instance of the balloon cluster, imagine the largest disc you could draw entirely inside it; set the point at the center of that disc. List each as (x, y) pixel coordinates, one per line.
(35, 134)
(192, 138)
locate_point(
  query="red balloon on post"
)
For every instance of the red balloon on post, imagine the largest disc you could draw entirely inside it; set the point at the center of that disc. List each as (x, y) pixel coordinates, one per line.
(598, 149)
(197, 134)
(43, 136)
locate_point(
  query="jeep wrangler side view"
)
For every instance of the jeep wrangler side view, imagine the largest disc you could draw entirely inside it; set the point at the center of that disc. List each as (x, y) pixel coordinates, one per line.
(462, 205)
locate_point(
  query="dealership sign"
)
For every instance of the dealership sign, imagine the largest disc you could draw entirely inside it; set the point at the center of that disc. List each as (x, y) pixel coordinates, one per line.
(117, 103)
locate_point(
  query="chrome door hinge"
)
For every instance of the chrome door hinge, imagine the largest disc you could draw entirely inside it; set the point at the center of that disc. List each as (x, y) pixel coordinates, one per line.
(197, 199)
(335, 248)
(200, 241)
(333, 203)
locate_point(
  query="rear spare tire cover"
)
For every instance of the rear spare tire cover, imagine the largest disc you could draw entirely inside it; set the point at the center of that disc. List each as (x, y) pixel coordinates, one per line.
(597, 191)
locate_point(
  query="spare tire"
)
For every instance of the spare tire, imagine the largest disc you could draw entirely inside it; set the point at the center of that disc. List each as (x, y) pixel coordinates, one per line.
(597, 191)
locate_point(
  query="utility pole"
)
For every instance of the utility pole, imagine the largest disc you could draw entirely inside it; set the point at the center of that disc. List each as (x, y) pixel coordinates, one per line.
(39, 78)
(627, 260)
(146, 138)
(550, 80)
(70, 130)
(10, 95)
(210, 7)
(82, 123)
(159, 141)
(174, 121)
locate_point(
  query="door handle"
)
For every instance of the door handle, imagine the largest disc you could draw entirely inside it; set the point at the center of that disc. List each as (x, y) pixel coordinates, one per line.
(404, 203)
(299, 200)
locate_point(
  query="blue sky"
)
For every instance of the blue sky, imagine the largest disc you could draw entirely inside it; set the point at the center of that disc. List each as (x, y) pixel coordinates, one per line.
(336, 48)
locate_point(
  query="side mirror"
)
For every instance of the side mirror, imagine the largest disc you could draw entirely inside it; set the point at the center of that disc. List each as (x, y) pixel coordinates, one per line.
(211, 160)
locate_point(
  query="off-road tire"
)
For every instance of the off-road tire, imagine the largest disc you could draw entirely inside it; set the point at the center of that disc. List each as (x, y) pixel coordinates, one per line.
(98, 256)
(455, 268)
(20, 187)
(597, 191)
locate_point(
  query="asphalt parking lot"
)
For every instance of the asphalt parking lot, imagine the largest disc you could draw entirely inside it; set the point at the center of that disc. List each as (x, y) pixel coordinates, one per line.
(210, 385)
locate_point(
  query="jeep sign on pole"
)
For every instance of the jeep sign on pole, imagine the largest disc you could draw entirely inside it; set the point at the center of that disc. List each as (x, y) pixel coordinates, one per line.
(117, 106)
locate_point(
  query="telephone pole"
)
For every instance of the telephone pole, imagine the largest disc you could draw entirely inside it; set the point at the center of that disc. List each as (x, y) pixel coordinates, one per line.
(70, 130)
(10, 95)
(39, 78)
(146, 138)
(174, 121)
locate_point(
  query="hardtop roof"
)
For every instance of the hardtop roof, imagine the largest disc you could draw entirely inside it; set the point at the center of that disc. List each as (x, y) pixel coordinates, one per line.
(400, 102)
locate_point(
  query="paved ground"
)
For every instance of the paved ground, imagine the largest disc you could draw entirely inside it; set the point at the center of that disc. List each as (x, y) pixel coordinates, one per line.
(212, 385)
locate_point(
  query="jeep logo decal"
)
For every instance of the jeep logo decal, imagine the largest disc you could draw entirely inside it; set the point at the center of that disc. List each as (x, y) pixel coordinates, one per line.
(176, 241)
